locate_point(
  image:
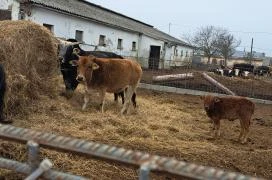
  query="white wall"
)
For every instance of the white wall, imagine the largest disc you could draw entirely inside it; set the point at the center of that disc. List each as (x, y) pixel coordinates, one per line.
(178, 60)
(65, 26)
(144, 50)
(12, 5)
(4, 4)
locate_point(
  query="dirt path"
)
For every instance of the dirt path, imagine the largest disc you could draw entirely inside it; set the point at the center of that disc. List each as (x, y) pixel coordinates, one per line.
(164, 124)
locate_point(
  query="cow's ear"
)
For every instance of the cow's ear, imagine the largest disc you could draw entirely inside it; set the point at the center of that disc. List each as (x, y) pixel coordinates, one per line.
(76, 51)
(73, 62)
(217, 99)
(201, 97)
(95, 66)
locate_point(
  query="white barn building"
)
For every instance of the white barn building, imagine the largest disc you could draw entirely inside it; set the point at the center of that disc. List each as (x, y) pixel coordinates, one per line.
(103, 29)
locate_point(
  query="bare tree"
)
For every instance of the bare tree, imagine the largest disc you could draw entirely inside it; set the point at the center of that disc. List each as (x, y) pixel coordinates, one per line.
(226, 45)
(205, 39)
(214, 41)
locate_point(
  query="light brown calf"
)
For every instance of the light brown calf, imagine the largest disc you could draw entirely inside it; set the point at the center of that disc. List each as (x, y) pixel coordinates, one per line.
(230, 108)
(108, 75)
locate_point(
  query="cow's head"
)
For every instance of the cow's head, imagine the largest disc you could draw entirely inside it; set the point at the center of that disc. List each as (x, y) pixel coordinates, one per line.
(210, 102)
(65, 49)
(85, 67)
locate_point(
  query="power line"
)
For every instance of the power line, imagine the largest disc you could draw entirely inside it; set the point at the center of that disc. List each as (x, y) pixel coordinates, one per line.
(253, 32)
(236, 31)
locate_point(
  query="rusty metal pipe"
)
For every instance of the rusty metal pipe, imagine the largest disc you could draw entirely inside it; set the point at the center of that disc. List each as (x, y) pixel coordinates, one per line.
(43, 167)
(102, 151)
(26, 169)
(33, 155)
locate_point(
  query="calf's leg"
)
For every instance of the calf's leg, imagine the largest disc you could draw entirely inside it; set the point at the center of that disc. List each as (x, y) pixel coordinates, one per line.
(115, 97)
(131, 90)
(242, 130)
(128, 95)
(102, 94)
(86, 100)
(122, 96)
(133, 99)
(246, 130)
(217, 128)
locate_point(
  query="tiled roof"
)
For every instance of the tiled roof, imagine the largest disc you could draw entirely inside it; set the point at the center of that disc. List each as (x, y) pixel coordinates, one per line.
(102, 15)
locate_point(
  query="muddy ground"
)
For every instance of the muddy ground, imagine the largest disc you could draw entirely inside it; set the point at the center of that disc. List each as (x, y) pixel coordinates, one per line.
(164, 124)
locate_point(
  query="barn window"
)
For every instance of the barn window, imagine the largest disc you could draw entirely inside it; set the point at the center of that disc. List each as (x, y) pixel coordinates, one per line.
(102, 40)
(186, 55)
(181, 53)
(176, 52)
(119, 45)
(133, 46)
(79, 36)
(49, 27)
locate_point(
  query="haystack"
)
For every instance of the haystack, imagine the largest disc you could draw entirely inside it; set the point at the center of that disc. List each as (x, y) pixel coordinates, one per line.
(29, 54)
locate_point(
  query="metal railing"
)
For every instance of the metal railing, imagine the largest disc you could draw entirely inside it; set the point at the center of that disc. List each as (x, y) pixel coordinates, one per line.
(145, 161)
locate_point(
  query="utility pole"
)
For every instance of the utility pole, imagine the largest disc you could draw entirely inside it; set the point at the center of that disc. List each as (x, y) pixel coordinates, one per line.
(251, 53)
(169, 28)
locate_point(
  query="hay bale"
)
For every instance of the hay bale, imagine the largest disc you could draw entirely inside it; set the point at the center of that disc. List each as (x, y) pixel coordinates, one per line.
(28, 52)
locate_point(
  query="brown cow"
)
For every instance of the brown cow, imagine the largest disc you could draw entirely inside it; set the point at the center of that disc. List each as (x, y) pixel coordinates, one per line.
(108, 75)
(229, 108)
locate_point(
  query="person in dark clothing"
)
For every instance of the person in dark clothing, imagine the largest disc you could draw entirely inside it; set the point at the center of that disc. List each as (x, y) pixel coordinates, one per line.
(3, 87)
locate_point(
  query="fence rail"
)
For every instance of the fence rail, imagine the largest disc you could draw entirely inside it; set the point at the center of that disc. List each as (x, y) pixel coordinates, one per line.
(145, 161)
(26, 169)
(252, 85)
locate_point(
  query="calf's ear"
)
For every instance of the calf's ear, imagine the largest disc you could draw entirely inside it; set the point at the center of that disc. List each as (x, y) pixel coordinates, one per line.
(95, 66)
(73, 62)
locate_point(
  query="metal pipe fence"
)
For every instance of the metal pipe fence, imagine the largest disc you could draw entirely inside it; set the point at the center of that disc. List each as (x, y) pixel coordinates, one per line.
(252, 84)
(144, 161)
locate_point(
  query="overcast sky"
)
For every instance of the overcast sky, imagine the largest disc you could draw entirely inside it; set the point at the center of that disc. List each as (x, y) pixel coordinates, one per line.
(246, 19)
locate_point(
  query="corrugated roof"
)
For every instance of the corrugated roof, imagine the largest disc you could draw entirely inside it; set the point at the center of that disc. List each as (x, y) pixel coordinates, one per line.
(103, 15)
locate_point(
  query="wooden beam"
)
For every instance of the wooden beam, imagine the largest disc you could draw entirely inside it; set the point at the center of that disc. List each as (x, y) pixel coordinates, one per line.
(172, 77)
(217, 84)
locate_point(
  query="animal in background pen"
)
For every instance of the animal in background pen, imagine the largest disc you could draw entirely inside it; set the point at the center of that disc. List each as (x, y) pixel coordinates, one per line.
(230, 108)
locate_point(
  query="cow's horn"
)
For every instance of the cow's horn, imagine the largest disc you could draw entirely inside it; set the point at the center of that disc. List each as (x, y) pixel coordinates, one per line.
(75, 43)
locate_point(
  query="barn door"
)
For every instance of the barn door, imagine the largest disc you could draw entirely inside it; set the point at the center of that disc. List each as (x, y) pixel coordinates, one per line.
(154, 57)
(5, 15)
